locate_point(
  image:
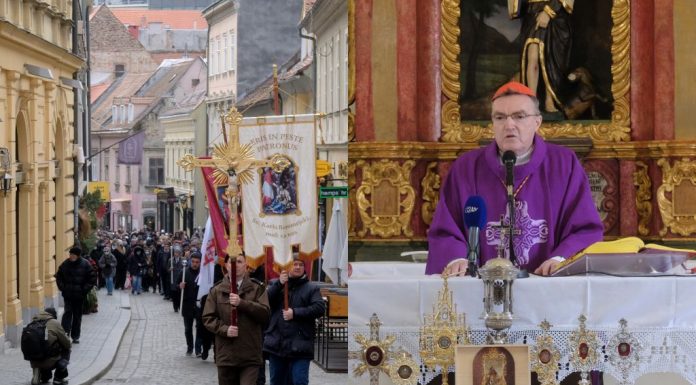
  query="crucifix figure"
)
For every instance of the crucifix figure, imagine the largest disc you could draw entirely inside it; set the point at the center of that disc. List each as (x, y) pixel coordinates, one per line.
(504, 229)
(234, 164)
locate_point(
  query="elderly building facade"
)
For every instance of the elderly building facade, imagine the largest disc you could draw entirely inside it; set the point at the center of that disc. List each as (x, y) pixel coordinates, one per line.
(38, 133)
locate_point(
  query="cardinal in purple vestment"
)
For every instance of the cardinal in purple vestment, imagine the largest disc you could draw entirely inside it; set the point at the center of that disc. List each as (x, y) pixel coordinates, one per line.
(555, 216)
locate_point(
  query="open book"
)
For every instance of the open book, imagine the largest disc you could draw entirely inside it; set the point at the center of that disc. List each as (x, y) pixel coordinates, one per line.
(628, 256)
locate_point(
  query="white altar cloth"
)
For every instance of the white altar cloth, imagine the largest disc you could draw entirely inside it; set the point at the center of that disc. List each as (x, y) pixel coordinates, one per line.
(661, 312)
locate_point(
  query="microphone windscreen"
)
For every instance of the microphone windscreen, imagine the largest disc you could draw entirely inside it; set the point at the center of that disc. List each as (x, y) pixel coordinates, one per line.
(475, 212)
(509, 157)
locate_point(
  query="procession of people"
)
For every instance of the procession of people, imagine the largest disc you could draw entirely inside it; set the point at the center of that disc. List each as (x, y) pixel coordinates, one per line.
(267, 327)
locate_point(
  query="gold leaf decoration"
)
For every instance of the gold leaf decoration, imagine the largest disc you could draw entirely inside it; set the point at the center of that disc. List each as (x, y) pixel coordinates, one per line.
(378, 177)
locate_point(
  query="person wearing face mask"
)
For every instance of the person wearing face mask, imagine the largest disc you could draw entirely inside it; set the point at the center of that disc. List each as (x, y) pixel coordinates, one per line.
(107, 265)
(555, 216)
(289, 339)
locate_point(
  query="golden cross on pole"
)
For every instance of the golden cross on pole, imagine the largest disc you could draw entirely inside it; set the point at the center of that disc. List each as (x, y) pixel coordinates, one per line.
(234, 164)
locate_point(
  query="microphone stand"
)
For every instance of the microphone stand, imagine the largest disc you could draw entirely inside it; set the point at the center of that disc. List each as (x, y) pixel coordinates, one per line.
(472, 268)
(509, 159)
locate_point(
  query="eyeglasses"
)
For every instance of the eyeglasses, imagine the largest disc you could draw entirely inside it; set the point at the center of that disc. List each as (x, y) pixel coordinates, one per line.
(516, 116)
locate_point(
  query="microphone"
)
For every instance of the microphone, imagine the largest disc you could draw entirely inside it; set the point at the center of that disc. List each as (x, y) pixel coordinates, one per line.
(475, 220)
(509, 159)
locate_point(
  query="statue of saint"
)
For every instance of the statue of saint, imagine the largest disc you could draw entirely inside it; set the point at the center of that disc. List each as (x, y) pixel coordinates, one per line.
(492, 378)
(546, 37)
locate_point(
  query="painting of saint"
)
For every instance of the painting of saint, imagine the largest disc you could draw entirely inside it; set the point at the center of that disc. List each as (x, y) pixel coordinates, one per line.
(493, 366)
(559, 48)
(279, 190)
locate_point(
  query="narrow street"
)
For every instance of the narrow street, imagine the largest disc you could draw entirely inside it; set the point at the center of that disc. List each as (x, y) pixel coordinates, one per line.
(153, 351)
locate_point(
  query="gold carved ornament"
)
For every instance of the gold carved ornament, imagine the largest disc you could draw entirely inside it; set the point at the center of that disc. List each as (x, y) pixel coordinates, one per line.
(544, 356)
(351, 69)
(441, 332)
(617, 129)
(585, 346)
(679, 213)
(624, 352)
(386, 198)
(643, 184)
(351, 199)
(374, 354)
(403, 369)
(493, 358)
(431, 192)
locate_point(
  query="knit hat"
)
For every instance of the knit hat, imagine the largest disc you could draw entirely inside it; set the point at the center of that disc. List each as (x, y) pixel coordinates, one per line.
(52, 312)
(76, 251)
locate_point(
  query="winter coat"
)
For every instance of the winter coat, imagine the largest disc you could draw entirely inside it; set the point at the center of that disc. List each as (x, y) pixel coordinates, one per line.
(294, 338)
(107, 263)
(252, 316)
(121, 260)
(75, 279)
(136, 263)
(163, 261)
(58, 341)
(190, 292)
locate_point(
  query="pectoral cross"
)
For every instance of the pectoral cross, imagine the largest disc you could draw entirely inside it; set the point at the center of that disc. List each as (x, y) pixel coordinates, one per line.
(504, 234)
(234, 164)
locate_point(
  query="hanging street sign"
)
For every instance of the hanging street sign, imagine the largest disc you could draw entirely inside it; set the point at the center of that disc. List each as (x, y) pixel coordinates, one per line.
(333, 192)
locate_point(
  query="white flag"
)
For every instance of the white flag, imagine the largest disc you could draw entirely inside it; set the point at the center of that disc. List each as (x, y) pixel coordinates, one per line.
(335, 252)
(206, 277)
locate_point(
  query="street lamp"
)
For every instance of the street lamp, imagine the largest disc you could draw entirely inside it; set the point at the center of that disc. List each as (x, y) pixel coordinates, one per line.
(6, 183)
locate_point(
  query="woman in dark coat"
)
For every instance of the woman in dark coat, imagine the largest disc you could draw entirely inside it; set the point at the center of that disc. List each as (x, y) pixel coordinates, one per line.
(121, 264)
(136, 267)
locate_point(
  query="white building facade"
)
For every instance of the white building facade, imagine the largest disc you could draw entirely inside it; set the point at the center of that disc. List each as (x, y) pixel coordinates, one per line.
(222, 64)
(327, 21)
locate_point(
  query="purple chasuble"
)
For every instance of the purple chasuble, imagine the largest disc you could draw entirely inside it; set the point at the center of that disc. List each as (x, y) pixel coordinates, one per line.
(554, 211)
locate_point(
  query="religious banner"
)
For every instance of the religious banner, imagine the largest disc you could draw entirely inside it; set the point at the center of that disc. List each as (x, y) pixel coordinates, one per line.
(218, 209)
(280, 208)
(130, 151)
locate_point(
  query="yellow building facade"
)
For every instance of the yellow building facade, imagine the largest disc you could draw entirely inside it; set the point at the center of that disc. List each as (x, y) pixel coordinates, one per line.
(37, 97)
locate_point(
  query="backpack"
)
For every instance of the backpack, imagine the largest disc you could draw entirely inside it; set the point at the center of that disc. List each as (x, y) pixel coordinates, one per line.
(35, 341)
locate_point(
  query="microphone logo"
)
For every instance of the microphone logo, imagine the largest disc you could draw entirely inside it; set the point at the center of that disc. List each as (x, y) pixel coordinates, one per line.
(470, 209)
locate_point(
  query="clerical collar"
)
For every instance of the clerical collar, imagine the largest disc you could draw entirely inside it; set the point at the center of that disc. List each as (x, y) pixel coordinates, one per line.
(521, 159)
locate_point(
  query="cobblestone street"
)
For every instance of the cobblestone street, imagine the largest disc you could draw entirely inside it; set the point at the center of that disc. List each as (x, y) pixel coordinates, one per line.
(153, 351)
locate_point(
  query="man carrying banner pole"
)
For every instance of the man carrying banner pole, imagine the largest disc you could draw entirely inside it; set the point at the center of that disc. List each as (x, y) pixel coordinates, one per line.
(238, 349)
(289, 339)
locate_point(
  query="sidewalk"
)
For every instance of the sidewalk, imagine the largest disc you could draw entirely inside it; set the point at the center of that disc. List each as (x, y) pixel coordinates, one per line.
(94, 355)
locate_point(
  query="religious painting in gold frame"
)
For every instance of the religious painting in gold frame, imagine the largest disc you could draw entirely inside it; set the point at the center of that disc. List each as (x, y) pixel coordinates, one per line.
(604, 48)
(492, 365)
